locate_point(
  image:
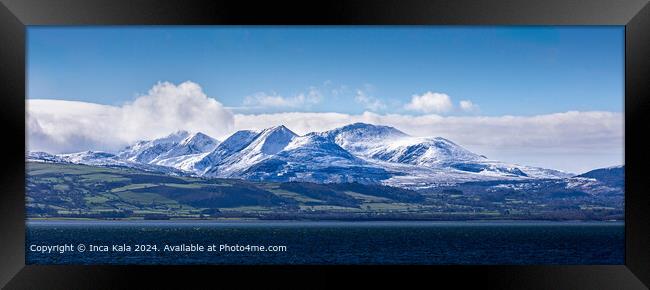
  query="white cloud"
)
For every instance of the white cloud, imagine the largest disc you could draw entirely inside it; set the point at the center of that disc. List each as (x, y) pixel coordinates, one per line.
(561, 131)
(66, 126)
(311, 97)
(369, 102)
(572, 141)
(430, 102)
(468, 106)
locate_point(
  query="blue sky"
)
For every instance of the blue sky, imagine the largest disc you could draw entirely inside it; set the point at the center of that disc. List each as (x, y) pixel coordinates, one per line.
(501, 70)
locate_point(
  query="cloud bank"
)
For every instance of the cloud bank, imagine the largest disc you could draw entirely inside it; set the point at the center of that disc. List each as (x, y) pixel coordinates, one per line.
(573, 141)
(58, 126)
(561, 131)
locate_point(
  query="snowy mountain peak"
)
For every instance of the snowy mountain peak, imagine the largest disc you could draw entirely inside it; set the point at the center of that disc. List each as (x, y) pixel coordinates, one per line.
(175, 144)
(363, 131)
(193, 144)
(238, 140)
(199, 142)
(357, 152)
(234, 143)
(273, 140)
(254, 149)
(197, 137)
(281, 129)
(416, 151)
(394, 149)
(313, 158)
(173, 137)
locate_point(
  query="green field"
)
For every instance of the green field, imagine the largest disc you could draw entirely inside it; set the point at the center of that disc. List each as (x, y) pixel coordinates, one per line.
(73, 191)
(70, 190)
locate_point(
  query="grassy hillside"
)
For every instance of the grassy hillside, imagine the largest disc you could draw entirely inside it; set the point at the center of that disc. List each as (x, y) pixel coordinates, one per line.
(85, 191)
(81, 191)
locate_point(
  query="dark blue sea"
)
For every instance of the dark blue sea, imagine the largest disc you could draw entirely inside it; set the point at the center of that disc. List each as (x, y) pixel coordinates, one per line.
(399, 242)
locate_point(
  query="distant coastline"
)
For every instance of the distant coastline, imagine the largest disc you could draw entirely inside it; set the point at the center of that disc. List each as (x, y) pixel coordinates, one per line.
(75, 191)
(316, 222)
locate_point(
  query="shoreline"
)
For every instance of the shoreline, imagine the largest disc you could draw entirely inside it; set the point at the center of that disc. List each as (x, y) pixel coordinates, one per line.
(350, 222)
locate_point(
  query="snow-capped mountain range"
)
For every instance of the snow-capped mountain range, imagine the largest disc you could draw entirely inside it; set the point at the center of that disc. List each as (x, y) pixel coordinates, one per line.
(354, 153)
(95, 158)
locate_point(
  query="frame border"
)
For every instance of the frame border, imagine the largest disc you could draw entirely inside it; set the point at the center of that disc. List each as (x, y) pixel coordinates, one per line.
(15, 15)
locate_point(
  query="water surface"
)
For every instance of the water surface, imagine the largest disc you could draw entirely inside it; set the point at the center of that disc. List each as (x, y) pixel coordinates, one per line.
(394, 242)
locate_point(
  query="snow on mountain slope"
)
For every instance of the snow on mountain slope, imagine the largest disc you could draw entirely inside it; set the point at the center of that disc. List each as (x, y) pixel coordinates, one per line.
(43, 157)
(357, 152)
(193, 144)
(232, 144)
(420, 177)
(103, 159)
(278, 154)
(420, 151)
(445, 158)
(314, 148)
(180, 150)
(184, 162)
(147, 151)
(90, 158)
(361, 137)
(185, 154)
(314, 158)
(172, 154)
(389, 144)
(265, 144)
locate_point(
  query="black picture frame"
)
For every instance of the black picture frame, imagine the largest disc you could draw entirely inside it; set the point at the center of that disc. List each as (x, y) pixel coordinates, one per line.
(15, 15)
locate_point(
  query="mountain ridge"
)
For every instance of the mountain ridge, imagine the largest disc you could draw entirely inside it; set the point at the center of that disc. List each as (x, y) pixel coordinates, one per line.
(357, 152)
